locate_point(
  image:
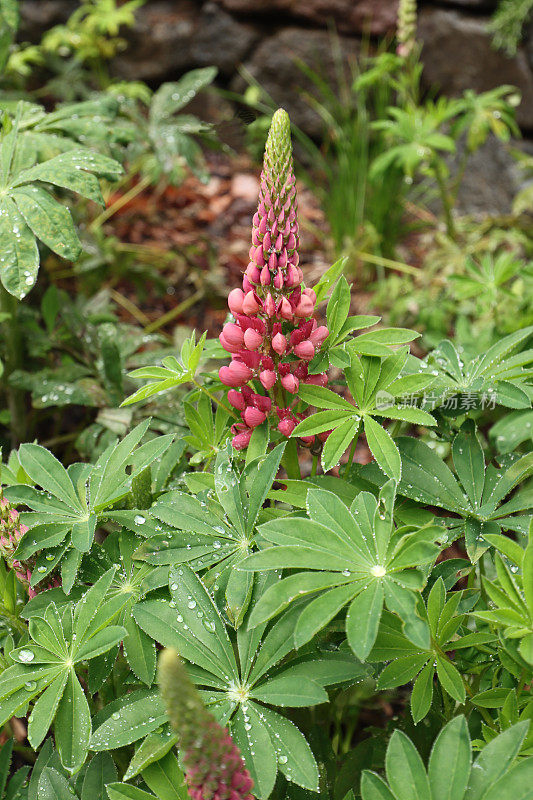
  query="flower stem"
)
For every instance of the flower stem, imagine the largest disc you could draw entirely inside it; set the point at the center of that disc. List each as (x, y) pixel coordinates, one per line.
(215, 399)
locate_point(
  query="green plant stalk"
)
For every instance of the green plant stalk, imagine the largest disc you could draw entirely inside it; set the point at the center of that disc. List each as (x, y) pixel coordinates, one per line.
(12, 620)
(215, 399)
(446, 199)
(14, 353)
(122, 201)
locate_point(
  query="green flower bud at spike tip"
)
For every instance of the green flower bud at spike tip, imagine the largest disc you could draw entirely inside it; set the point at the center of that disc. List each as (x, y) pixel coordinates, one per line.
(406, 33)
(214, 767)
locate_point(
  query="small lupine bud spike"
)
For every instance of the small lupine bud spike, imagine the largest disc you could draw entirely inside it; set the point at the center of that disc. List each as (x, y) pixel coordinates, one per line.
(406, 27)
(214, 767)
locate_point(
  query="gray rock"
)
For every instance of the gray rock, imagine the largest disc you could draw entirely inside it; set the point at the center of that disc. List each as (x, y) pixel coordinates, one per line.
(220, 40)
(475, 5)
(36, 16)
(491, 180)
(274, 65)
(350, 16)
(160, 44)
(458, 55)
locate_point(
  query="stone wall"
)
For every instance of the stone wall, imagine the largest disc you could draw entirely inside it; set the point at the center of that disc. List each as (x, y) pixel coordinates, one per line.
(265, 37)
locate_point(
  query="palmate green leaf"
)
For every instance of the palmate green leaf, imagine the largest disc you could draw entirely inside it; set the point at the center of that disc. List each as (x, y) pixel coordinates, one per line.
(19, 259)
(173, 372)
(427, 479)
(365, 566)
(45, 470)
(374, 384)
(200, 636)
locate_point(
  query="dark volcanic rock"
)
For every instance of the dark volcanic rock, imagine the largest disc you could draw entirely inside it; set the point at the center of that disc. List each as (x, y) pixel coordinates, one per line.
(458, 55)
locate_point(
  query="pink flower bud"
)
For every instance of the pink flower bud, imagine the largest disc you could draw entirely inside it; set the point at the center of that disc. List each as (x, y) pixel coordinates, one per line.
(258, 256)
(231, 348)
(246, 285)
(311, 294)
(235, 375)
(250, 304)
(233, 334)
(307, 440)
(235, 298)
(236, 399)
(253, 272)
(252, 339)
(305, 350)
(267, 378)
(279, 343)
(267, 242)
(286, 426)
(319, 335)
(265, 276)
(273, 262)
(269, 305)
(242, 440)
(285, 310)
(304, 308)
(262, 403)
(278, 280)
(253, 416)
(290, 383)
